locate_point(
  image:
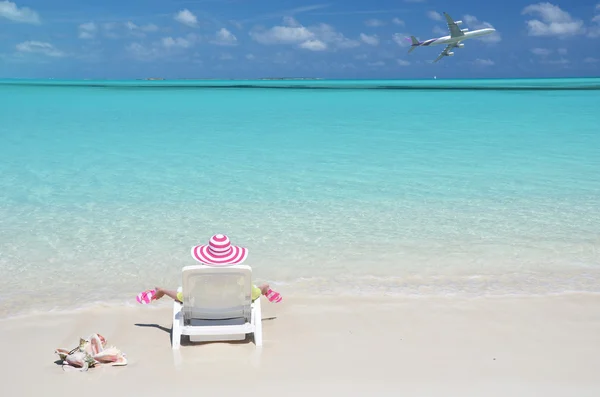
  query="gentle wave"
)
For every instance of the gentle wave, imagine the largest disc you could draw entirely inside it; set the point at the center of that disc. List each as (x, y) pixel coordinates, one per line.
(523, 285)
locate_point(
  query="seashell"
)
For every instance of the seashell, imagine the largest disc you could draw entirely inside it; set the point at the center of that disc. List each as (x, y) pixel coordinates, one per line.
(62, 353)
(112, 356)
(70, 368)
(80, 359)
(90, 353)
(96, 344)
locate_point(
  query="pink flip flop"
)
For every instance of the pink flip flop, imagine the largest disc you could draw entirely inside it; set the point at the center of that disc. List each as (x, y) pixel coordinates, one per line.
(146, 297)
(273, 296)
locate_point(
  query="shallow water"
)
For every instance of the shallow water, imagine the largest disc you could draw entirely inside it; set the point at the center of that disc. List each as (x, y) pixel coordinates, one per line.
(104, 187)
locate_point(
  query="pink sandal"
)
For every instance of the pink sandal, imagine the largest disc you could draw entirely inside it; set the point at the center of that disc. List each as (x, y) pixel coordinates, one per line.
(273, 297)
(146, 297)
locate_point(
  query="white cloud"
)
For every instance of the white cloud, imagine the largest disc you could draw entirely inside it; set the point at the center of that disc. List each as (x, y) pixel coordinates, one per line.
(87, 30)
(562, 51)
(402, 62)
(236, 24)
(225, 37)
(398, 21)
(293, 33)
(436, 16)
(141, 52)
(374, 23)
(561, 62)
(291, 21)
(484, 62)
(164, 47)
(401, 39)
(314, 45)
(591, 60)
(594, 31)
(177, 42)
(9, 10)
(39, 47)
(553, 21)
(543, 52)
(361, 56)
(186, 17)
(329, 35)
(290, 33)
(376, 64)
(250, 57)
(114, 30)
(144, 28)
(370, 40)
(474, 24)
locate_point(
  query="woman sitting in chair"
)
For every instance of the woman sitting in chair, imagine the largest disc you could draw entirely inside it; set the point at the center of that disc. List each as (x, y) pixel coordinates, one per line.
(218, 252)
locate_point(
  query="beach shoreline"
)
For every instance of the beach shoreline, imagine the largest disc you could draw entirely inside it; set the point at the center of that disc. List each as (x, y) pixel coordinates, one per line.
(63, 295)
(321, 345)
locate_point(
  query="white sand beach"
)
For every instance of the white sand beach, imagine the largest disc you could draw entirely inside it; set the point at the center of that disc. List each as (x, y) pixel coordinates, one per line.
(536, 346)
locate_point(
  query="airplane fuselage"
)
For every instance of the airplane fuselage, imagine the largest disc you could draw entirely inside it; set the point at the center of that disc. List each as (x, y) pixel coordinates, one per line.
(445, 40)
(453, 40)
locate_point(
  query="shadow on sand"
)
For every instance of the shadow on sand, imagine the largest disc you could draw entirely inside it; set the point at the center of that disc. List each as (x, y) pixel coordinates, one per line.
(185, 340)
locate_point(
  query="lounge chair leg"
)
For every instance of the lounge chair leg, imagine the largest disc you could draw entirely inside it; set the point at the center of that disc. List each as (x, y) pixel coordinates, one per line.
(176, 331)
(257, 324)
(176, 342)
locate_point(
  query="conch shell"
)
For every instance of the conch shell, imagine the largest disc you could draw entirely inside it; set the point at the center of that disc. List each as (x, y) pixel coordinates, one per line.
(91, 352)
(62, 353)
(112, 356)
(92, 345)
(80, 360)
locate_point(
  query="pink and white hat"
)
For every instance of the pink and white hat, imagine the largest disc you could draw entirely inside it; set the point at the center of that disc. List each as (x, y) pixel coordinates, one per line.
(219, 251)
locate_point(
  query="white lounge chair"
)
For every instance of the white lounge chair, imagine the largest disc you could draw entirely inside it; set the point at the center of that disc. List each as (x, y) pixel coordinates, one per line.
(217, 305)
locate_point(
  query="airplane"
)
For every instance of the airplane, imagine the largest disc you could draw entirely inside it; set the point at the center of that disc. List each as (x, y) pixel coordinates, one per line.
(454, 40)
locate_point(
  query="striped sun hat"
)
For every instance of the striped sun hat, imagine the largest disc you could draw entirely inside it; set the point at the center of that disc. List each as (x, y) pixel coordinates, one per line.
(219, 251)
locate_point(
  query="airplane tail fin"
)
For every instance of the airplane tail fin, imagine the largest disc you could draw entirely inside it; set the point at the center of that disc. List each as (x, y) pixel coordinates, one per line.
(415, 43)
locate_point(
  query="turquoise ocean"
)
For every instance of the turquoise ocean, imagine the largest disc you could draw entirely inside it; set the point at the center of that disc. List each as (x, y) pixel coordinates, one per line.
(442, 188)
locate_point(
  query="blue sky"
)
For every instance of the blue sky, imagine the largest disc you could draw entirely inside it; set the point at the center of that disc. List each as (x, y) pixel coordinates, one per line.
(123, 39)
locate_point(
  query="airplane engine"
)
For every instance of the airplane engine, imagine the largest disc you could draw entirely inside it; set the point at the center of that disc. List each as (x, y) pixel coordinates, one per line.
(458, 23)
(461, 45)
(464, 30)
(450, 54)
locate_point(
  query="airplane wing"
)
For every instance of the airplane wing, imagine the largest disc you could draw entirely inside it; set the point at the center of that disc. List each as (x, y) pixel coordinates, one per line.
(453, 27)
(445, 51)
